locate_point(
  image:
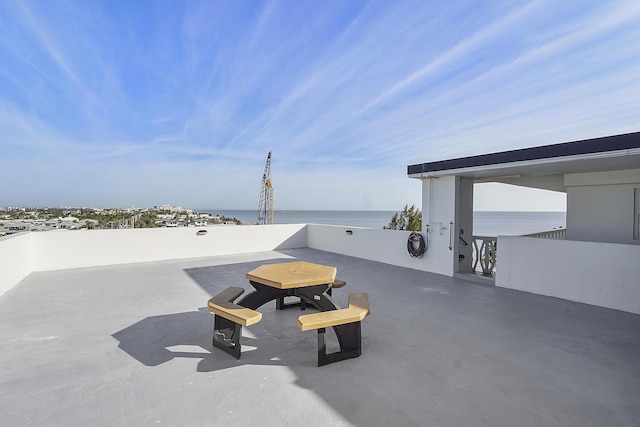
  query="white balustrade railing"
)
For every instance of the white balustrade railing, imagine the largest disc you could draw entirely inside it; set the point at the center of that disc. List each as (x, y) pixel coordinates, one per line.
(485, 250)
(557, 234)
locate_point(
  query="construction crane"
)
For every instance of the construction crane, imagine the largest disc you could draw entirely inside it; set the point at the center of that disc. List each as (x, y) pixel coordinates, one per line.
(265, 200)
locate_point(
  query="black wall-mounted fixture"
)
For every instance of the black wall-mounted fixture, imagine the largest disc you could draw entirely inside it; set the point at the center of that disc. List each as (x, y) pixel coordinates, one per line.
(349, 232)
(201, 232)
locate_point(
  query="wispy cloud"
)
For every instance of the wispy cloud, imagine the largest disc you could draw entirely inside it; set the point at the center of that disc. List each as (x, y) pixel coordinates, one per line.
(465, 47)
(339, 91)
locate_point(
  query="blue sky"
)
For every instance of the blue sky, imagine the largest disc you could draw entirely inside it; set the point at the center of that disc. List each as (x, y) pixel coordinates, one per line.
(120, 103)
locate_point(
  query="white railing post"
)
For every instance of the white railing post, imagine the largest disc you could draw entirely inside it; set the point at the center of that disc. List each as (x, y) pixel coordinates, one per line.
(485, 254)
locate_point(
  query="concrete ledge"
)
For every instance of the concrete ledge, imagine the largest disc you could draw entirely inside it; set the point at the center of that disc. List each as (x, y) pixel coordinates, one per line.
(602, 274)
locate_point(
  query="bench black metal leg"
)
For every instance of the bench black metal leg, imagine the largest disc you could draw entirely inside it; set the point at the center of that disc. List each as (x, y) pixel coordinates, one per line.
(350, 344)
(226, 336)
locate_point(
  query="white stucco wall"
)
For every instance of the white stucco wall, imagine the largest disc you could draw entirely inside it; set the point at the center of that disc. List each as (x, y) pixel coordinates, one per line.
(386, 246)
(593, 273)
(15, 259)
(602, 274)
(600, 206)
(58, 250)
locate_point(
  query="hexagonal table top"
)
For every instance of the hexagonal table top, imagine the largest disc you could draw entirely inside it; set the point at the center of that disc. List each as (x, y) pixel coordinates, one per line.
(290, 275)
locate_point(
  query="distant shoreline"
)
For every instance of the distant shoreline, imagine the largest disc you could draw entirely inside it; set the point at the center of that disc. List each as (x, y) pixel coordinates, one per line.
(485, 222)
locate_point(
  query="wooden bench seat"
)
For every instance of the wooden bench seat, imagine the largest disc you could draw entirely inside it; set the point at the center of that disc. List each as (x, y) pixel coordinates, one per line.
(347, 319)
(338, 284)
(229, 319)
(358, 309)
(222, 305)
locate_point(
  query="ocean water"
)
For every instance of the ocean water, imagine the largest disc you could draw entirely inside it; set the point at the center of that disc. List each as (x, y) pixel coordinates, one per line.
(484, 223)
(370, 219)
(516, 223)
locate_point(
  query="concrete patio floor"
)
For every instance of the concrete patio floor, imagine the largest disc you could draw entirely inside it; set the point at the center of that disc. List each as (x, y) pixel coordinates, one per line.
(131, 345)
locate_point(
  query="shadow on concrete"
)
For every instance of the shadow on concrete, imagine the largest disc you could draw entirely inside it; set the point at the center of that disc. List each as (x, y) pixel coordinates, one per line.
(435, 350)
(159, 339)
(353, 388)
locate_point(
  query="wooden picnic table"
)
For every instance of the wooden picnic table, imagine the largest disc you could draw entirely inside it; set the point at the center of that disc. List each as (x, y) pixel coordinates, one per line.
(291, 275)
(308, 281)
(311, 283)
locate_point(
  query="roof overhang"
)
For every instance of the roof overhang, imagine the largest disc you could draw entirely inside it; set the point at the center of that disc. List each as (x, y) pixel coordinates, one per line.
(540, 167)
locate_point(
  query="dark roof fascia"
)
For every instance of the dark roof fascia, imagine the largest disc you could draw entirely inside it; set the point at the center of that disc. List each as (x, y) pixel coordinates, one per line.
(575, 148)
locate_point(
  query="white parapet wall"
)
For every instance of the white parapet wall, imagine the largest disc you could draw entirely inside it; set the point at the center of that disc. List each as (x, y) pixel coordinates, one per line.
(58, 250)
(24, 253)
(15, 259)
(386, 246)
(602, 274)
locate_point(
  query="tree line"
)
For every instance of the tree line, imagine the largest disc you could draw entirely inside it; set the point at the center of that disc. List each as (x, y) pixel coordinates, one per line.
(409, 219)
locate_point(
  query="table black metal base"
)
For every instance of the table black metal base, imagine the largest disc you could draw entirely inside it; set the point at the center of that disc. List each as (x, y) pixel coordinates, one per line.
(281, 305)
(226, 336)
(317, 296)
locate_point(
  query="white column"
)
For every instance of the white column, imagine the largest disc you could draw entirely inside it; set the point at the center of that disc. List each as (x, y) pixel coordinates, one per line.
(447, 216)
(464, 225)
(438, 217)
